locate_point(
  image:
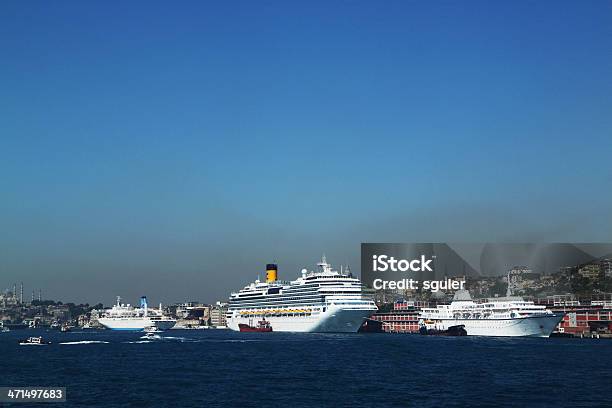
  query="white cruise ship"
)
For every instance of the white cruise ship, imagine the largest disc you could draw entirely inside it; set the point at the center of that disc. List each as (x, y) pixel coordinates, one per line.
(508, 316)
(324, 300)
(127, 317)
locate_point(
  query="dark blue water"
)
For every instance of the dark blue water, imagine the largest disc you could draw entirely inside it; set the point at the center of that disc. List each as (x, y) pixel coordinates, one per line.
(219, 368)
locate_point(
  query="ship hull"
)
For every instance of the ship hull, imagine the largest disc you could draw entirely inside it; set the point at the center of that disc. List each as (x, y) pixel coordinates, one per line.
(247, 328)
(537, 326)
(135, 324)
(334, 320)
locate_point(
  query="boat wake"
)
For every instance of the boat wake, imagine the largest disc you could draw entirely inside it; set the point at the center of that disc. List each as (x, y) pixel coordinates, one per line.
(157, 339)
(151, 337)
(181, 339)
(85, 342)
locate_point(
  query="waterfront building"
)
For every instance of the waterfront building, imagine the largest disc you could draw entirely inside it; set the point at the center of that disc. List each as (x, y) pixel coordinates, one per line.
(218, 315)
(94, 316)
(192, 315)
(584, 320)
(402, 318)
(590, 271)
(606, 268)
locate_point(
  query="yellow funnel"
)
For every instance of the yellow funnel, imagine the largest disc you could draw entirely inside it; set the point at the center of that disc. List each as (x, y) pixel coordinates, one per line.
(271, 273)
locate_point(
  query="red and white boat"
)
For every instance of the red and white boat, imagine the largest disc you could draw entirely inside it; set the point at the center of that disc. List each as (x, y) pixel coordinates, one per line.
(262, 326)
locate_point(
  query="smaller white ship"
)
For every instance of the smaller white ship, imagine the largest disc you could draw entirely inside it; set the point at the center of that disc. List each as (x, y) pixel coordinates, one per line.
(151, 336)
(127, 317)
(510, 316)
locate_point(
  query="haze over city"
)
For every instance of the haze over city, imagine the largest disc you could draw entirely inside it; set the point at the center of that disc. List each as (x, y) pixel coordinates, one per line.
(174, 151)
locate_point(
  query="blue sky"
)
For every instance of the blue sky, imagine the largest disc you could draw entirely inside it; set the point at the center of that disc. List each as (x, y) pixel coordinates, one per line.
(166, 149)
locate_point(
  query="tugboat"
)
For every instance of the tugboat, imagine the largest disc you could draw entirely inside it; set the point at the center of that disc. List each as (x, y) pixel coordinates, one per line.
(458, 330)
(34, 341)
(371, 326)
(263, 326)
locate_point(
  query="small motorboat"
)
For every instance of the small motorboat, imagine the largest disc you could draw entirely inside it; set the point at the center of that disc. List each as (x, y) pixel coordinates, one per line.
(151, 336)
(34, 341)
(65, 328)
(152, 329)
(263, 326)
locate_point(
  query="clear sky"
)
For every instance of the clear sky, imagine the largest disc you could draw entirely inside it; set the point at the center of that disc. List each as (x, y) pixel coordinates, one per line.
(172, 149)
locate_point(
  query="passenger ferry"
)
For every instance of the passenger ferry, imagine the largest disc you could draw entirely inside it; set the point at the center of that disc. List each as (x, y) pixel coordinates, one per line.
(324, 300)
(509, 316)
(127, 317)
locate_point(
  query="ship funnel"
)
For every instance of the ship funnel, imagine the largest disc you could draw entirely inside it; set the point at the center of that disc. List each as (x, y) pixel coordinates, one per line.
(271, 273)
(144, 306)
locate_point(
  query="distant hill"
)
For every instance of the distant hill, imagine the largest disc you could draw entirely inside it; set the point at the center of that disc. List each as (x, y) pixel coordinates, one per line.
(497, 259)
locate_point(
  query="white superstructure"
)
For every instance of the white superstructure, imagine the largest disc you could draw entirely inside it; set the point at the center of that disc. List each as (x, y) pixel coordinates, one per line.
(127, 317)
(509, 316)
(324, 300)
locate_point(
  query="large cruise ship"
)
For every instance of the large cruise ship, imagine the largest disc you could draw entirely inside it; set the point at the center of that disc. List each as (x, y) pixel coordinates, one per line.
(508, 316)
(127, 317)
(324, 300)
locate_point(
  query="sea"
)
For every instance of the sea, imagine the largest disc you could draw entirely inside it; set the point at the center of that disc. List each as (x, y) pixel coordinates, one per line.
(221, 368)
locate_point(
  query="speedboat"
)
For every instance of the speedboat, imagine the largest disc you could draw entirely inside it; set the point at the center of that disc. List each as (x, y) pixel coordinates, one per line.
(34, 341)
(151, 333)
(152, 329)
(151, 336)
